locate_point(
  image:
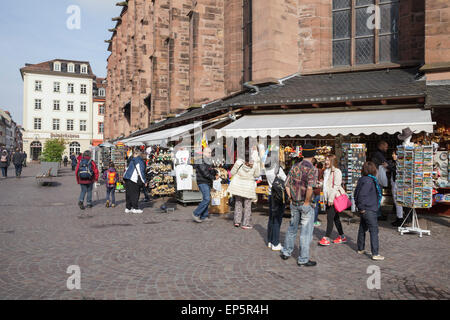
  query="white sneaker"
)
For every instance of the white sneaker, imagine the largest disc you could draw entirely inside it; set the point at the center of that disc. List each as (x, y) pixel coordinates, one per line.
(269, 245)
(378, 257)
(277, 248)
(127, 211)
(136, 211)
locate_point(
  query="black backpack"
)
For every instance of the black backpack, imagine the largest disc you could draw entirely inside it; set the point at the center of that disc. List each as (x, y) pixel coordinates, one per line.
(278, 189)
(85, 171)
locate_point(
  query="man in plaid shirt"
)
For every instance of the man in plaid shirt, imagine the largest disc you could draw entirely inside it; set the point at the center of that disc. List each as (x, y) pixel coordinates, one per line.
(301, 180)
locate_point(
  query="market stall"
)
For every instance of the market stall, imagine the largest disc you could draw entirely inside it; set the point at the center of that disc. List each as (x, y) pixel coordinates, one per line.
(343, 133)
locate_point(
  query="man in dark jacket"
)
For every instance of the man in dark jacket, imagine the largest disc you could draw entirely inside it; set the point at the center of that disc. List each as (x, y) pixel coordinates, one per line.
(86, 174)
(24, 159)
(17, 160)
(379, 159)
(205, 177)
(74, 161)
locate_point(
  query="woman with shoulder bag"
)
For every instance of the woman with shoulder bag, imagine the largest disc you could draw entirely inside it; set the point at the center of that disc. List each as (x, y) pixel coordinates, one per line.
(276, 207)
(368, 201)
(332, 180)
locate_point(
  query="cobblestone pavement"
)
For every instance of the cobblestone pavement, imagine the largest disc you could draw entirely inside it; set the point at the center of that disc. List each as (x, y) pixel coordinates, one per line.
(167, 256)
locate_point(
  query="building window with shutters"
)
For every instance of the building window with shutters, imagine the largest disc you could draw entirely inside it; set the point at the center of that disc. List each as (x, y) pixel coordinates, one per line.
(360, 39)
(83, 125)
(37, 104)
(37, 123)
(101, 128)
(69, 125)
(56, 124)
(70, 106)
(38, 85)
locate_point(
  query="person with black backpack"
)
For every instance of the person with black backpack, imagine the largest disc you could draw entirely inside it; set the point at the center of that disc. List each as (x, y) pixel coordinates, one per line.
(86, 173)
(277, 202)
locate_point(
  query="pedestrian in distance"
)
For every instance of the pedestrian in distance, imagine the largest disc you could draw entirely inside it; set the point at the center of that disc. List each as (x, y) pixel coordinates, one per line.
(243, 188)
(17, 160)
(134, 179)
(205, 176)
(301, 180)
(111, 178)
(66, 160)
(74, 161)
(332, 188)
(86, 173)
(368, 200)
(277, 203)
(4, 163)
(25, 159)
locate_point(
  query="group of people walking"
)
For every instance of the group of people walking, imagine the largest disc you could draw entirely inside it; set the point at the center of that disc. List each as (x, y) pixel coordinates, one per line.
(18, 158)
(301, 188)
(87, 174)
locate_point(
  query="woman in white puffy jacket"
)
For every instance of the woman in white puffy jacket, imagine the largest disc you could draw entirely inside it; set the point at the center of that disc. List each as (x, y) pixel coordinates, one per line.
(332, 181)
(243, 188)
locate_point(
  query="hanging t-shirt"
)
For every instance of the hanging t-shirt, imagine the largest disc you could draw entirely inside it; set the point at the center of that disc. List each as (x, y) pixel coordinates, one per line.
(182, 156)
(184, 175)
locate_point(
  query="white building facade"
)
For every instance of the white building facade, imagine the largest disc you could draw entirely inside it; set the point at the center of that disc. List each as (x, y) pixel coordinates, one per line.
(58, 103)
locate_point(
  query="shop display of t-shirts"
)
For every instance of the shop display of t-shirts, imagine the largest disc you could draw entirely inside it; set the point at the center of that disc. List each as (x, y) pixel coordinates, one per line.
(184, 175)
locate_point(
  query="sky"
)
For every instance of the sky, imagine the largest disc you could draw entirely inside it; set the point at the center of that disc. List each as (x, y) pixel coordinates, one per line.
(34, 31)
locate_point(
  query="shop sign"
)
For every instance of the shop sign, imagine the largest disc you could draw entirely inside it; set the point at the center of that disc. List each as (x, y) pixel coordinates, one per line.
(64, 135)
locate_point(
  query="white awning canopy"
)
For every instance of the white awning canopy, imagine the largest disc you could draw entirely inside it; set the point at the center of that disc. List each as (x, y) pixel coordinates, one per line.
(329, 123)
(162, 137)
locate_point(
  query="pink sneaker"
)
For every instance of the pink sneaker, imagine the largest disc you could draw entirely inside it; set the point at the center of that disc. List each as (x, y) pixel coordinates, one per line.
(340, 240)
(324, 241)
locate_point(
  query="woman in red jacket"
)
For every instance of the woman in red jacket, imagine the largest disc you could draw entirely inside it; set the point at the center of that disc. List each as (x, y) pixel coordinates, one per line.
(86, 173)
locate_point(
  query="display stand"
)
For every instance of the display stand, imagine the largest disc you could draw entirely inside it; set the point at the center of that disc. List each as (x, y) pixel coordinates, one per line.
(414, 183)
(352, 160)
(415, 228)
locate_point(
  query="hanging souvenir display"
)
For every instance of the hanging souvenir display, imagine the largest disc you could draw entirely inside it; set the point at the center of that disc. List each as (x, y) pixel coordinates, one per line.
(118, 156)
(415, 176)
(159, 171)
(352, 160)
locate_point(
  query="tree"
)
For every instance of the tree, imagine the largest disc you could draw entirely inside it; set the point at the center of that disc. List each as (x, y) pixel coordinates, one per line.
(53, 150)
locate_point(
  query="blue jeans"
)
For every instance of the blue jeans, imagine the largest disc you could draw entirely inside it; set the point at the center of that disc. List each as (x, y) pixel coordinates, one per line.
(4, 171)
(110, 191)
(316, 208)
(86, 188)
(202, 209)
(276, 211)
(303, 215)
(369, 222)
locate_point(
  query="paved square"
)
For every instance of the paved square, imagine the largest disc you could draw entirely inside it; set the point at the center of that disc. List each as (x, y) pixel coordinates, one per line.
(167, 256)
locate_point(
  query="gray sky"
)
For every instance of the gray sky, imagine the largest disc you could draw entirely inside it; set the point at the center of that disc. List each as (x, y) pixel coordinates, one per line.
(36, 31)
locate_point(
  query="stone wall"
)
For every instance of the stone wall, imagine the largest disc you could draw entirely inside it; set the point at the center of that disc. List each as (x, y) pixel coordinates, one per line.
(437, 38)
